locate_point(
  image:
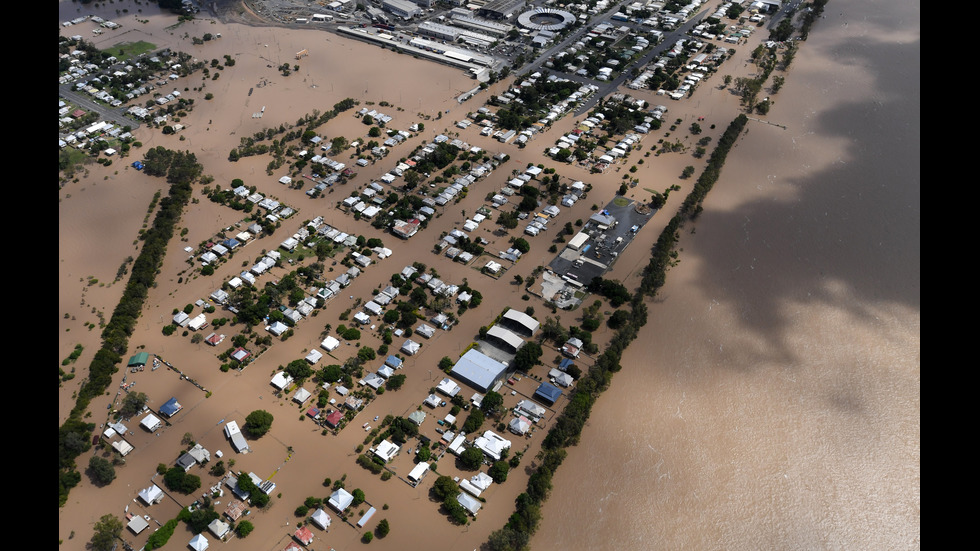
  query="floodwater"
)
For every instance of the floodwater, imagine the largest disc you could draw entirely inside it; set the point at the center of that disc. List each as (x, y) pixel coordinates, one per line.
(772, 399)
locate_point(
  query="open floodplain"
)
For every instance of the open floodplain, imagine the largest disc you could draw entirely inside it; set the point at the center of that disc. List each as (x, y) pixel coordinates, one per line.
(689, 368)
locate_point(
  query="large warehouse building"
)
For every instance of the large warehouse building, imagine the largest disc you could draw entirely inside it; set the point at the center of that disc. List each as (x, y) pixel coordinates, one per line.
(478, 370)
(501, 9)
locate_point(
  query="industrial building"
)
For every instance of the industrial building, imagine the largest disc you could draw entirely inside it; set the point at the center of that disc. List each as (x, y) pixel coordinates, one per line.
(478, 370)
(500, 9)
(401, 8)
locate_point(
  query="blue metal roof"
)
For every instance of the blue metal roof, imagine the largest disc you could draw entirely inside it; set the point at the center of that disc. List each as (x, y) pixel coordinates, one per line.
(170, 408)
(548, 392)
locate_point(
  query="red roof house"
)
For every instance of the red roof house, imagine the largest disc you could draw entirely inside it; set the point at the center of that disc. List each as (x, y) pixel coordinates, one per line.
(304, 536)
(334, 419)
(293, 546)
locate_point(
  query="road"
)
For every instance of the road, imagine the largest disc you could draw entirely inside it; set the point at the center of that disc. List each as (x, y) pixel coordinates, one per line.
(113, 115)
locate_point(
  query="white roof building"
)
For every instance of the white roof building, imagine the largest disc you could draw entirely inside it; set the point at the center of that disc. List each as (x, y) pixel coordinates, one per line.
(314, 356)
(321, 519)
(281, 380)
(410, 347)
(278, 328)
(469, 503)
(492, 444)
(387, 450)
(448, 387)
(301, 395)
(151, 495)
(418, 472)
(425, 330)
(330, 344)
(340, 500)
(199, 543)
(219, 528)
(151, 423)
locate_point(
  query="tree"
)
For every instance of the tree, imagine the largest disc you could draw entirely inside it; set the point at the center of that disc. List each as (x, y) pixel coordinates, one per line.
(244, 528)
(445, 363)
(358, 497)
(688, 171)
(132, 404)
(374, 132)
(179, 481)
(412, 179)
(618, 319)
(382, 529)
(498, 472)
(528, 356)
(258, 423)
(474, 421)
(491, 402)
(695, 128)
(522, 245)
(444, 487)
(367, 537)
(107, 529)
(395, 382)
(218, 469)
(101, 470)
(471, 458)
(301, 511)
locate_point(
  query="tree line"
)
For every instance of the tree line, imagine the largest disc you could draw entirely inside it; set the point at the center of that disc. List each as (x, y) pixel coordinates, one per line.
(180, 169)
(567, 428)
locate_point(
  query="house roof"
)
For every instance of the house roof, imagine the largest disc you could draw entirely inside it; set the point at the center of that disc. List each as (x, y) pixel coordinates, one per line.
(340, 499)
(548, 392)
(303, 535)
(137, 524)
(138, 359)
(334, 418)
(321, 518)
(171, 407)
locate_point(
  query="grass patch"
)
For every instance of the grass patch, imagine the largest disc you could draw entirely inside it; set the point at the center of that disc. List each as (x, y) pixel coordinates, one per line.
(621, 201)
(128, 50)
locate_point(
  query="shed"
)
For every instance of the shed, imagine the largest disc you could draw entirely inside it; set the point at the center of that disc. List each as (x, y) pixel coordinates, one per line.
(137, 524)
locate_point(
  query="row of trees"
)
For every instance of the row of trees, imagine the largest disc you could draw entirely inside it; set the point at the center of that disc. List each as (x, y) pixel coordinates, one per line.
(567, 427)
(180, 169)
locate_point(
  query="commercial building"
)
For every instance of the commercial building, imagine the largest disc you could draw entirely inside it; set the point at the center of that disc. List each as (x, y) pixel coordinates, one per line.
(401, 8)
(478, 370)
(505, 339)
(520, 323)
